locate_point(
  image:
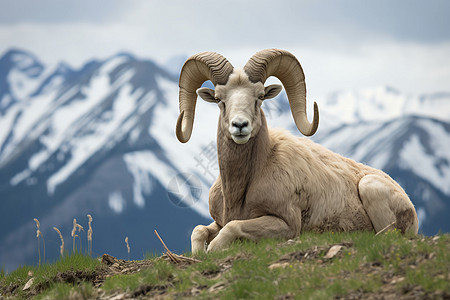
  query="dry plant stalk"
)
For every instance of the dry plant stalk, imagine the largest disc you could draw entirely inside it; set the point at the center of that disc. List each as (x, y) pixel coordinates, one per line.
(61, 248)
(74, 235)
(74, 230)
(89, 235)
(169, 253)
(39, 234)
(128, 247)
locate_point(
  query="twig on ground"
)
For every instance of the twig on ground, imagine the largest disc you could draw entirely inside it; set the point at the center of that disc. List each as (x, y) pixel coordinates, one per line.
(175, 258)
(169, 253)
(385, 229)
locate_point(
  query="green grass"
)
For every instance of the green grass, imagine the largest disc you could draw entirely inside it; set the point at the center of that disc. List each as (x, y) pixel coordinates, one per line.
(389, 264)
(160, 272)
(45, 275)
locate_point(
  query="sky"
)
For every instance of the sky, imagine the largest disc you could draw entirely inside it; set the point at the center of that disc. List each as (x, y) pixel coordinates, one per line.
(341, 45)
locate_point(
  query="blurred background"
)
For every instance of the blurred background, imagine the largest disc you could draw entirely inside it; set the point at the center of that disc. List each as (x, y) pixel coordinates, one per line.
(89, 102)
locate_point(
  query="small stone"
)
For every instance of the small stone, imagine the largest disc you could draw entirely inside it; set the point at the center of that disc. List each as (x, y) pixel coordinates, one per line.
(278, 265)
(333, 251)
(195, 291)
(216, 287)
(397, 280)
(28, 284)
(115, 266)
(118, 297)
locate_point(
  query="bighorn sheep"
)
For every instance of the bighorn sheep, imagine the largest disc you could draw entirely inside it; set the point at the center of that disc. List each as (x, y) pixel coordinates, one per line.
(271, 183)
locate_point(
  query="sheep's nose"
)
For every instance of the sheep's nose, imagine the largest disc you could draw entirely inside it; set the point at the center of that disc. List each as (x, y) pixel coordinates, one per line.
(239, 125)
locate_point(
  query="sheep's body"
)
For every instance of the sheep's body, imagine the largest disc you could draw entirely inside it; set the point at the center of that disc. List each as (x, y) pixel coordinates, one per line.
(302, 186)
(322, 188)
(271, 183)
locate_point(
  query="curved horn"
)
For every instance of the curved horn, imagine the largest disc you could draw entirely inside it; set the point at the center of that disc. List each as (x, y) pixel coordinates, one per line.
(197, 69)
(284, 66)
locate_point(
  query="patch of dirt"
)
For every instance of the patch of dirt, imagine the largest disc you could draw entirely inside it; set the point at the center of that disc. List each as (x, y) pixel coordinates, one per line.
(227, 263)
(120, 266)
(149, 291)
(75, 276)
(390, 292)
(9, 290)
(312, 254)
(211, 273)
(70, 276)
(179, 260)
(114, 265)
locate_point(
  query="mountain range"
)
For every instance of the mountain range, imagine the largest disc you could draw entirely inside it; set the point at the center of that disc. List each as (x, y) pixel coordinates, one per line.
(100, 140)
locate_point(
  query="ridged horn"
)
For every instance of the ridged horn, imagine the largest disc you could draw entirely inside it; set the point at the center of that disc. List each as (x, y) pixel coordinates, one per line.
(196, 70)
(283, 65)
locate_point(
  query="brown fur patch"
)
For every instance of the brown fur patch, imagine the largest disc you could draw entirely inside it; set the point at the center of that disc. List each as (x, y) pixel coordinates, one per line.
(404, 219)
(306, 217)
(329, 224)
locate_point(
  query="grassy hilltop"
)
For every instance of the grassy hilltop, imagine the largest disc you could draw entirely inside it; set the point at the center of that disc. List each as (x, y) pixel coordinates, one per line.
(313, 266)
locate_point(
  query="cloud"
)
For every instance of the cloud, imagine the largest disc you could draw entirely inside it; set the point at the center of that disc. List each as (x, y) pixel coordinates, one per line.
(410, 67)
(58, 12)
(341, 44)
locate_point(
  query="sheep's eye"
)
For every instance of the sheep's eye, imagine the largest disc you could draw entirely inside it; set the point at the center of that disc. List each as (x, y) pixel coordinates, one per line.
(261, 97)
(217, 99)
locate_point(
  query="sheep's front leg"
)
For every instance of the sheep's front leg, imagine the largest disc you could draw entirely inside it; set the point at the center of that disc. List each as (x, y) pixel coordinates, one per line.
(253, 229)
(202, 235)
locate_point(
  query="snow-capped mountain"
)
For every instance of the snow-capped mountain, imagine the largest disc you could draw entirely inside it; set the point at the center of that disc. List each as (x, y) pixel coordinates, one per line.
(92, 141)
(100, 140)
(384, 104)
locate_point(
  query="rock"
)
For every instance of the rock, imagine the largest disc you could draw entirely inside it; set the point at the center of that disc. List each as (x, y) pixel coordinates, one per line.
(119, 297)
(292, 242)
(28, 284)
(397, 279)
(217, 287)
(333, 251)
(278, 265)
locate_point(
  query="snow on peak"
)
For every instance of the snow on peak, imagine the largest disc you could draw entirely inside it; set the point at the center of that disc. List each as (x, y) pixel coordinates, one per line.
(383, 103)
(431, 162)
(24, 61)
(116, 202)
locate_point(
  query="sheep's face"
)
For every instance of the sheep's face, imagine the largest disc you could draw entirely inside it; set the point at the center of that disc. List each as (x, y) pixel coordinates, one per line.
(240, 105)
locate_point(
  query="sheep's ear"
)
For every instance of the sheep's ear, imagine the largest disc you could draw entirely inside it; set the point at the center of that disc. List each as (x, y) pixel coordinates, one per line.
(207, 94)
(272, 91)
